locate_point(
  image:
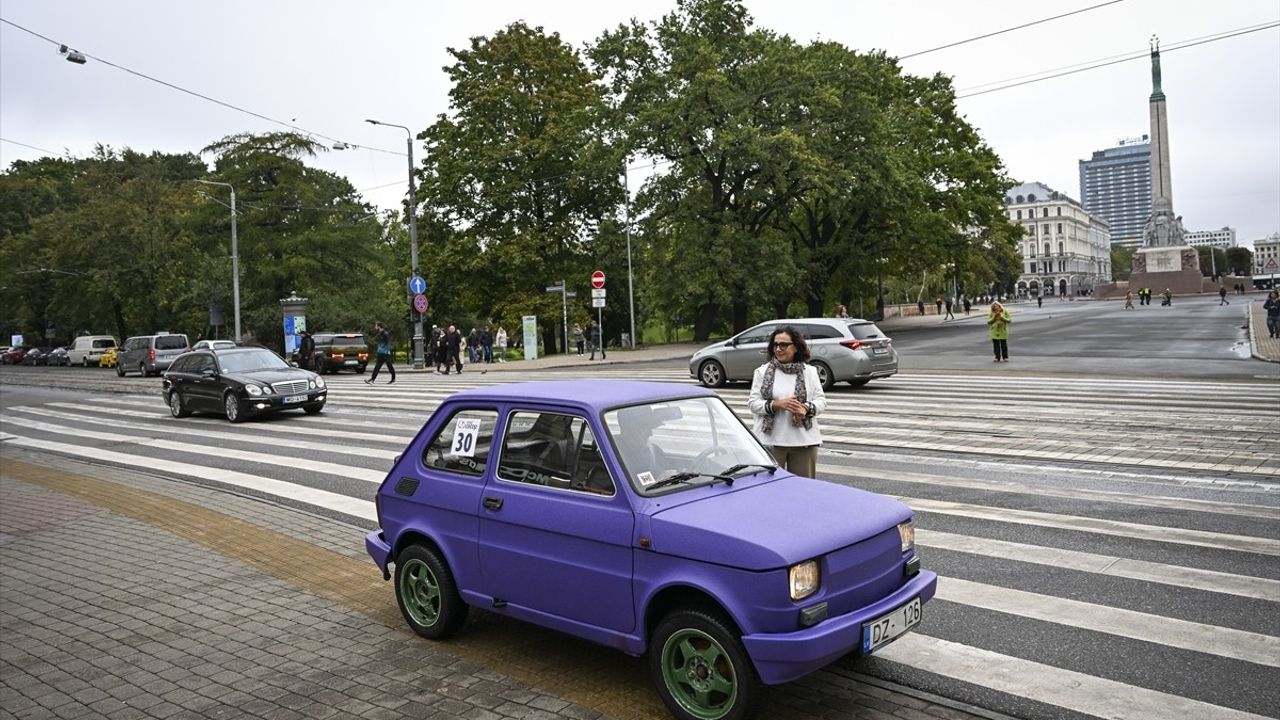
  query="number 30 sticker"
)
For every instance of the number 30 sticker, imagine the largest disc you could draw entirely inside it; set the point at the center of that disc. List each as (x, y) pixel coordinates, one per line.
(464, 437)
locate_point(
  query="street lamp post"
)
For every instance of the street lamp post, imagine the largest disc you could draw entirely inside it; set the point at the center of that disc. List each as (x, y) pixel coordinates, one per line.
(413, 241)
(235, 254)
(631, 288)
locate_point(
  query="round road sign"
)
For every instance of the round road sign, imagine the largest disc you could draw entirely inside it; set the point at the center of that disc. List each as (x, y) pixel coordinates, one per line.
(597, 279)
(420, 303)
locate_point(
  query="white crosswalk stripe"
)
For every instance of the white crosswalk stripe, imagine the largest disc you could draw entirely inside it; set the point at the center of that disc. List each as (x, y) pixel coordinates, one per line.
(1140, 519)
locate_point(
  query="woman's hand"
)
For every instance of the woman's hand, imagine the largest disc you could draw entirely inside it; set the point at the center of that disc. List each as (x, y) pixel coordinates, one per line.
(790, 404)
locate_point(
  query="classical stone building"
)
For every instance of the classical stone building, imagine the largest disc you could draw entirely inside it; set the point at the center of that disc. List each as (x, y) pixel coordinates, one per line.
(1266, 262)
(1066, 250)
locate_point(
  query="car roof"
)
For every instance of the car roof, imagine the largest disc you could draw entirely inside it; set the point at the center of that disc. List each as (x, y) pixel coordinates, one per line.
(816, 320)
(592, 395)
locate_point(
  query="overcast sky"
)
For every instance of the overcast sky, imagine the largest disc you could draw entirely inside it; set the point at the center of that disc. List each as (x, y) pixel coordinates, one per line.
(326, 66)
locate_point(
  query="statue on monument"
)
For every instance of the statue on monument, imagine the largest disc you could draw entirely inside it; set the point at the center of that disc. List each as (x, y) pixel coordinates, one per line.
(1163, 228)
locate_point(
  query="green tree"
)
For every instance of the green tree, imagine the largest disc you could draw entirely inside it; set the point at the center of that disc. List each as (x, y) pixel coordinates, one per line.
(1239, 261)
(1121, 262)
(523, 172)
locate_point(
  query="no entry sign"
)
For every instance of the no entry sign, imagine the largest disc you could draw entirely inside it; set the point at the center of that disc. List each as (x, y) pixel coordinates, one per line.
(597, 279)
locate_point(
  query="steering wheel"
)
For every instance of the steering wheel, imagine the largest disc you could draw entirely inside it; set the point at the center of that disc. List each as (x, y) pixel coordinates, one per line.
(709, 453)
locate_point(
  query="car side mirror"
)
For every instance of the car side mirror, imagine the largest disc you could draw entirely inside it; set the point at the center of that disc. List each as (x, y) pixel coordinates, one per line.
(208, 373)
(294, 363)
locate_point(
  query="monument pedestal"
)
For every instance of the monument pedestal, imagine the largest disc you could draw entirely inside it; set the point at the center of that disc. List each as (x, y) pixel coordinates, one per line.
(1176, 268)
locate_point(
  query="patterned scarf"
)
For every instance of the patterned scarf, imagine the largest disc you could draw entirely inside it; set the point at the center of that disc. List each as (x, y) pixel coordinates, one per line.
(766, 391)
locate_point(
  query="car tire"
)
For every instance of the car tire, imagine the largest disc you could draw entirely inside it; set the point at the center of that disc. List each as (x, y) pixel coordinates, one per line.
(825, 376)
(119, 370)
(231, 408)
(313, 409)
(85, 360)
(142, 370)
(859, 382)
(177, 408)
(711, 374)
(360, 370)
(701, 668)
(427, 593)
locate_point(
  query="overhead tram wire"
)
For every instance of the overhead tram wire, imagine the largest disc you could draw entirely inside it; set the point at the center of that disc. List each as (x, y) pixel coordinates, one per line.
(1115, 60)
(193, 93)
(1008, 29)
(33, 147)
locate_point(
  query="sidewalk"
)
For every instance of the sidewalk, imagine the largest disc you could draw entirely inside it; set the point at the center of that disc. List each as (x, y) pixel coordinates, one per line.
(1265, 347)
(127, 596)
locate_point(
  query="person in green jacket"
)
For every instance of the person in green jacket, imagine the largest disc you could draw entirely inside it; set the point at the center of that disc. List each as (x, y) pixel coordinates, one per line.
(998, 320)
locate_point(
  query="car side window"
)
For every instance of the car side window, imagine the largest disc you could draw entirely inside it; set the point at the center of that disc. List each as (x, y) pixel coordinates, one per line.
(756, 334)
(819, 332)
(182, 365)
(464, 444)
(544, 448)
(206, 363)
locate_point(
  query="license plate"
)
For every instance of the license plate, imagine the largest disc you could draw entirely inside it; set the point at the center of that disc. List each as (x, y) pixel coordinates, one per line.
(295, 399)
(352, 362)
(881, 351)
(889, 626)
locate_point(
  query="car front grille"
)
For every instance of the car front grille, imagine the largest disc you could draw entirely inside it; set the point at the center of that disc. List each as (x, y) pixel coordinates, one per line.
(291, 387)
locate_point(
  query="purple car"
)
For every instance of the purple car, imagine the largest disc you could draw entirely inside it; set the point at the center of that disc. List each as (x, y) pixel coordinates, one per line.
(646, 517)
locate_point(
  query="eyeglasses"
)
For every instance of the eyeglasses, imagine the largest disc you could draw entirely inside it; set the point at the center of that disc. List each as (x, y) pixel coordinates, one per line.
(782, 345)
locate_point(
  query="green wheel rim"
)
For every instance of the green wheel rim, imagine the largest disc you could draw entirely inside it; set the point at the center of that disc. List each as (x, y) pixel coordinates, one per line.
(421, 593)
(699, 674)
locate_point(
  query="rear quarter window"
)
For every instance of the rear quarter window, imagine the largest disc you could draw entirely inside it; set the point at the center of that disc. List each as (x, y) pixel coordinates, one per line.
(464, 444)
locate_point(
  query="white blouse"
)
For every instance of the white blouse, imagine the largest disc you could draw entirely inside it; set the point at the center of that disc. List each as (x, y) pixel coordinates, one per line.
(784, 432)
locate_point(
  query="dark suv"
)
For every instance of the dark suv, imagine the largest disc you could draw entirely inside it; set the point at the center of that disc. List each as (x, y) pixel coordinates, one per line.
(339, 351)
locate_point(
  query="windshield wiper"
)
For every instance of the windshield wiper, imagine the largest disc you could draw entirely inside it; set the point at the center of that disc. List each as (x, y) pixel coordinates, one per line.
(683, 477)
(744, 466)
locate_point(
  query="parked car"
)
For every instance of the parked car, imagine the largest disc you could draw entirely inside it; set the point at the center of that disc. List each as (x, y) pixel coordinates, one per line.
(59, 357)
(240, 383)
(87, 350)
(36, 356)
(646, 517)
(14, 355)
(340, 351)
(150, 354)
(108, 357)
(214, 345)
(842, 349)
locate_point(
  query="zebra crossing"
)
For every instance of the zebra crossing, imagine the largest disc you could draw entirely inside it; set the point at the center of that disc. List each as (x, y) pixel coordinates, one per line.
(1106, 548)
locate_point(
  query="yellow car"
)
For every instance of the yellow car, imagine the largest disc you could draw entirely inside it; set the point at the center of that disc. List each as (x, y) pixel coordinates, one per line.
(108, 358)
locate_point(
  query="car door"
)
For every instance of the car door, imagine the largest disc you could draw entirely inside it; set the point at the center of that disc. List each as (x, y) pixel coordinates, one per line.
(555, 534)
(201, 377)
(748, 351)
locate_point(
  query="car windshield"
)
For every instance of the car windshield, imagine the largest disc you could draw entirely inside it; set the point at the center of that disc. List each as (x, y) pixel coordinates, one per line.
(698, 436)
(251, 360)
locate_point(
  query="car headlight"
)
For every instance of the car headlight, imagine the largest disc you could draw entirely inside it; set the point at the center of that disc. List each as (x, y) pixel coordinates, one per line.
(803, 579)
(319, 381)
(311, 384)
(253, 390)
(907, 533)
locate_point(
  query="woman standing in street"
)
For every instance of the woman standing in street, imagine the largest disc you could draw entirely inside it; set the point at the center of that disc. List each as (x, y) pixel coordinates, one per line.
(998, 321)
(786, 398)
(384, 354)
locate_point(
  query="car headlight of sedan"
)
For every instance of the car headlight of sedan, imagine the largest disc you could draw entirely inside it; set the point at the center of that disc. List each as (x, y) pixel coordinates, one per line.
(803, 579)
(319, 382)
(907, 534)
(254, 390)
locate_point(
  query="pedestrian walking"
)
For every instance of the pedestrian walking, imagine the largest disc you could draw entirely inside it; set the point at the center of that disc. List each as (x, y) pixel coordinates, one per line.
(472, 345)
(949, 315)
(1222, 296)
(486, 345)
(920, 305)
(579, 341)
(998, 320)
(306, 349)
(1272, 306)
(1128, 299)
(967, 305)
(383, 338)
(500, 339)
(1168, 297)
(593, 329)
(786, 399)
(453, 344)
(1039, 301)
(938, 302)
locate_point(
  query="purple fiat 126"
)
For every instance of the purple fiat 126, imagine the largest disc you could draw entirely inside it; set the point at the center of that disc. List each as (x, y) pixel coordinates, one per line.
(647, 517)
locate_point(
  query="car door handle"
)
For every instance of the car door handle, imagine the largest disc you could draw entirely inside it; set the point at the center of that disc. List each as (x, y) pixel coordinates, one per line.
(493, 503)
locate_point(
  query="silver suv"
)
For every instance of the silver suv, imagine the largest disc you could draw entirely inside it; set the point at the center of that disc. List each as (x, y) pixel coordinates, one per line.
(846, 349)
(150, 354)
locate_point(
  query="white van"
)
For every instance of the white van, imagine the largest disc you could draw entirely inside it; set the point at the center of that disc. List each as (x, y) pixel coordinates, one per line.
(88, 348)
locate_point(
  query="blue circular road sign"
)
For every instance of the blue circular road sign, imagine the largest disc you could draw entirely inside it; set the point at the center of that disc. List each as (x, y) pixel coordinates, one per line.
(417, 285)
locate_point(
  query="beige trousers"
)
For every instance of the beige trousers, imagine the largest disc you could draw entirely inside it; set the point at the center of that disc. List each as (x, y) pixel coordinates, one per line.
(799, 460)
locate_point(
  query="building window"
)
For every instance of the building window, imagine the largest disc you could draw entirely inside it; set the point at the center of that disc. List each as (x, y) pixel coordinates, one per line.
(1045, 231)
(1032, 248)
(1059, 228)
(1047, 251)
(1033, 268)
(1060, 248)
(1059, 212)
(1044, 212)
(1019, 214)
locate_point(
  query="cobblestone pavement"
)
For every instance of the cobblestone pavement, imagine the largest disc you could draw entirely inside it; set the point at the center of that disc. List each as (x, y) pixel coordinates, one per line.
(126, 596)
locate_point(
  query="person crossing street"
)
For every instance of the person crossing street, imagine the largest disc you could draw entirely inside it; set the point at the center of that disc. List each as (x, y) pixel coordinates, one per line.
(383, 338)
